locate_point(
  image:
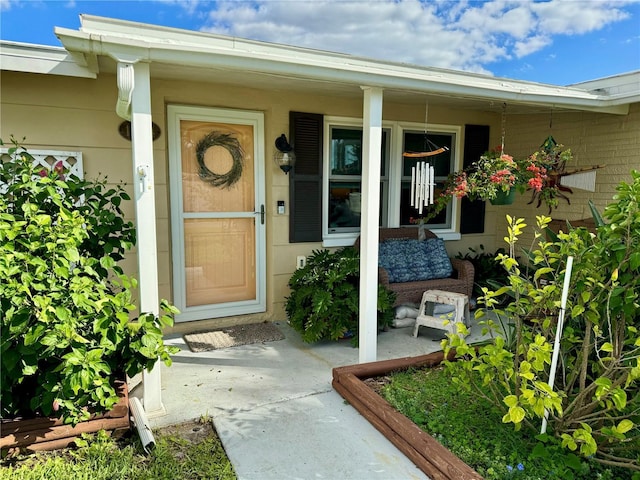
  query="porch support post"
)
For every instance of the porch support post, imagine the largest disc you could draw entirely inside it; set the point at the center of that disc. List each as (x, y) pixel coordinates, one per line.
(371, 147)
(144, 197)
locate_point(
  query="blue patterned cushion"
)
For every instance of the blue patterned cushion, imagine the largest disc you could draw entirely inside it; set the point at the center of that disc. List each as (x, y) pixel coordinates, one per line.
(408, 260)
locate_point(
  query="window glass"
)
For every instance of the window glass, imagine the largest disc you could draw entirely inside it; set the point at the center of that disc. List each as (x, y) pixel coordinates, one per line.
(346, 152)
(345, 178)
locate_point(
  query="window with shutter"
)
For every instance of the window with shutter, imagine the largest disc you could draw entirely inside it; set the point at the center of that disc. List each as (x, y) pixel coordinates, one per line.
(343, 177)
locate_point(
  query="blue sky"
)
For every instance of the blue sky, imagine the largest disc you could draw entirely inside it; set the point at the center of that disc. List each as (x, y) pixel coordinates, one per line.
(554, 41)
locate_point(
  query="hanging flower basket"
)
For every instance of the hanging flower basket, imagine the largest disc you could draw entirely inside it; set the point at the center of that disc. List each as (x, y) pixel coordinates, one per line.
(504, 198)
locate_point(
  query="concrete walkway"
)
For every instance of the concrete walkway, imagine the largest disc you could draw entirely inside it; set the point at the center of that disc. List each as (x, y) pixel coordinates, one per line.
(275, 410)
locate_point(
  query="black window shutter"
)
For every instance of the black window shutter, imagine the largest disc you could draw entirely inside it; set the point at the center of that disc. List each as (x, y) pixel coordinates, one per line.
(476, 142)
(305, 180)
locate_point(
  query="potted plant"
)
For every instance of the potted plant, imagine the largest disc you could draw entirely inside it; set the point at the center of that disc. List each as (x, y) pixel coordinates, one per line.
(544, 168)
(68, 336)
(492, 177)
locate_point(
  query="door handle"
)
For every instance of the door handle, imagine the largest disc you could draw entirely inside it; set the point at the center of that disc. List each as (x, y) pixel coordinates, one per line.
(261, 212)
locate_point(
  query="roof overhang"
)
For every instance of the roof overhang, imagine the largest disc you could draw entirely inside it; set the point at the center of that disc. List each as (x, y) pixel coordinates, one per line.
(181, 54)
(23, 57)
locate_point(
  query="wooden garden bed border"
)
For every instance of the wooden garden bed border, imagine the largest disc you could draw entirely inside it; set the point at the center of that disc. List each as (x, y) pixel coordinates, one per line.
(421, 448)
(50, 433)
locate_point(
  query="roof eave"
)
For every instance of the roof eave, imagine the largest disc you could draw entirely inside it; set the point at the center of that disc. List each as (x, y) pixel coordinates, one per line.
(128, 42)
(30, 58)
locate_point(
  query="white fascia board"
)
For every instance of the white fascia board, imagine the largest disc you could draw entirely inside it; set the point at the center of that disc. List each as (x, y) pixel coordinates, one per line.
(197, 49)
(29, 58)
(625, 86)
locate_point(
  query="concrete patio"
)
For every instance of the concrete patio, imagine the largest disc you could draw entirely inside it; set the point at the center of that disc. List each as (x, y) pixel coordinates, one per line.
(276, 412)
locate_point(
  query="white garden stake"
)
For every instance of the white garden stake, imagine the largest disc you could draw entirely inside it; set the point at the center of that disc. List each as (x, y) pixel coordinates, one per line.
(556, 345)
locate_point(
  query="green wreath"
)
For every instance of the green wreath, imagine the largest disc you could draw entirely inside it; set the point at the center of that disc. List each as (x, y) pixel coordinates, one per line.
(225, 140)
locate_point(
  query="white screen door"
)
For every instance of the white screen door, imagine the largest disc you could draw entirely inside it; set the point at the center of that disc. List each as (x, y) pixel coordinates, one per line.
(216, 173)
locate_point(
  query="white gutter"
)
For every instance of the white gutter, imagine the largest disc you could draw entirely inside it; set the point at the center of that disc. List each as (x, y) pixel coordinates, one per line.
(180, 47)
(26, 57)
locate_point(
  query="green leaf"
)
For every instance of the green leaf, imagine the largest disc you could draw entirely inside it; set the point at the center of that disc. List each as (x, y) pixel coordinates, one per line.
(568, 442)
(619, 398)
(577, 310)
(510, 400)
(541, 271)
(599, 221)
(517, 414)
(29, 370)
(624, 426)
(72, 254)
(607, 347)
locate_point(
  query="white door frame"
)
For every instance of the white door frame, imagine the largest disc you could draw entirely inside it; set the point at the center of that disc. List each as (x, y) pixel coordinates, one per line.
(176, 113)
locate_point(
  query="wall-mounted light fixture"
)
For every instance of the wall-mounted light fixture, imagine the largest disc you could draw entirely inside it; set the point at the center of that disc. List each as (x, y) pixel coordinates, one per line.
(125, 130)
(284, 157)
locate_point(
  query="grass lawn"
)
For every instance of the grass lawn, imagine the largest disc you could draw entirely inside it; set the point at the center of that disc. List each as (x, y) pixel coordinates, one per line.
(188, 451)
(472, 429)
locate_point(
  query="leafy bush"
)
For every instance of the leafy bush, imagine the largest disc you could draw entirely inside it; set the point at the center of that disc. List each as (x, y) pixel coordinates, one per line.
(67, 336)
(594, 407)
(324, 299)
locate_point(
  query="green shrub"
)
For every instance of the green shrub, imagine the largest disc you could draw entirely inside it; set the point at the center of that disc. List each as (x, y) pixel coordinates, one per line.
(67, 336)
(595, 403)
(324, 299)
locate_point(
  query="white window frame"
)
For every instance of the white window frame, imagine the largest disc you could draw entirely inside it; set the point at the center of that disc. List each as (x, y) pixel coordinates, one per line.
(390, 204)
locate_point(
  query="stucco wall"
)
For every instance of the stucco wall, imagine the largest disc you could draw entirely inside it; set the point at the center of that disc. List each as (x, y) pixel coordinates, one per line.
(63, 113)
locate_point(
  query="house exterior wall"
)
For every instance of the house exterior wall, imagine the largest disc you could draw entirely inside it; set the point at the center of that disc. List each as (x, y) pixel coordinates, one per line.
(594, 139)
(63, 113)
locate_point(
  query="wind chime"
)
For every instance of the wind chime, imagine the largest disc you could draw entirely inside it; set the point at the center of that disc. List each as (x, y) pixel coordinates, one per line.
(422, 174)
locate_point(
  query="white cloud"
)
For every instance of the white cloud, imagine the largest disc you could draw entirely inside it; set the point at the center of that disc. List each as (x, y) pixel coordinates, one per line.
(465, 35)
(6, 5)
(532, 44)
(190, 6)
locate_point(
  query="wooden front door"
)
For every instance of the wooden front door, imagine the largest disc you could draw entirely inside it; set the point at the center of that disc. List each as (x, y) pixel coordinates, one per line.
(216, 159)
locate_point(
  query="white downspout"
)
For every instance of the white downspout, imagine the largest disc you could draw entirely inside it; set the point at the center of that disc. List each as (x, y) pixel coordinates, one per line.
(369, 223)
(134, 84)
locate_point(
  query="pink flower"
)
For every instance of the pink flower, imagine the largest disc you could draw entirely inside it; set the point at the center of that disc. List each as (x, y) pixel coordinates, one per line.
(59, 168)
(503, 176)
(536, 183)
